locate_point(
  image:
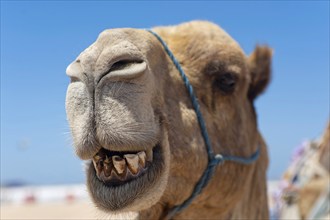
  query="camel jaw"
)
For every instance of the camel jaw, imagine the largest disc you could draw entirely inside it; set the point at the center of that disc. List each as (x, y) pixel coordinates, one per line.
(120, 192)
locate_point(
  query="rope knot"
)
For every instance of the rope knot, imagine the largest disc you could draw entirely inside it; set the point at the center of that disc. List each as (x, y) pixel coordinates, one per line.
(219, 157)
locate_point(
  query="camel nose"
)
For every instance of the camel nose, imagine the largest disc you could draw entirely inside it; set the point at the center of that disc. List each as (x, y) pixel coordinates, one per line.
(75, 71)
(119, 62)
(121, 69)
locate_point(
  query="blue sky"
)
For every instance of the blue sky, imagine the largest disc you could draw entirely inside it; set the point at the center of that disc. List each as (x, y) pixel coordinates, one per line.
(39, 39)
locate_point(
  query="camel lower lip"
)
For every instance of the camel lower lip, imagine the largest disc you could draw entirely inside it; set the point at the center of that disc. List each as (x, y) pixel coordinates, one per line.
(113, 196)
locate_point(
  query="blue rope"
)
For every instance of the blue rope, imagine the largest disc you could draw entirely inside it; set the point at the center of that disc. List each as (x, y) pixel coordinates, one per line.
(191, 94)
(213, 160)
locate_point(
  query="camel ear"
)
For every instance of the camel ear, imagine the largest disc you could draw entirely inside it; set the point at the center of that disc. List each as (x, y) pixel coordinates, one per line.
(259, 63)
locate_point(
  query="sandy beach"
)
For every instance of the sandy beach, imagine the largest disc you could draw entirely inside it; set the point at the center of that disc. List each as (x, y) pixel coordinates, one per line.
(65, 210)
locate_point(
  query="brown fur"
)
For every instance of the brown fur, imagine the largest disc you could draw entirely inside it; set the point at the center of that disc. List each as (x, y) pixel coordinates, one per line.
(209, 57)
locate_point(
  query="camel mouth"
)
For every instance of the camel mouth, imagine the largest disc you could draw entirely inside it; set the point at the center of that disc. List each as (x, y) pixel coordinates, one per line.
(116, 168)
(116, 179)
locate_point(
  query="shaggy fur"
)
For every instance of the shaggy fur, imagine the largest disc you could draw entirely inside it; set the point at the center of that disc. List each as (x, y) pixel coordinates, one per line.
(153, 107)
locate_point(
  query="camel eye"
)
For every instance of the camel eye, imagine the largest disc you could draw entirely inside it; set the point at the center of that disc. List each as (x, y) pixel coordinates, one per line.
(226, 83)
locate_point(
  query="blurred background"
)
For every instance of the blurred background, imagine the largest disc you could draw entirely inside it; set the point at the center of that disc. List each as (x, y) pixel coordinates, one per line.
(39, 39)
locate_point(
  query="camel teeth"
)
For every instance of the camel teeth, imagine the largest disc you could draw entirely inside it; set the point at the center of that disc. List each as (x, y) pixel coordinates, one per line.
(132, 162)
(107, 169)
(149, 154)
(107, 160)
(98, 165)
(97, 157)
(119, 164)
(142, 158)
(94, 163)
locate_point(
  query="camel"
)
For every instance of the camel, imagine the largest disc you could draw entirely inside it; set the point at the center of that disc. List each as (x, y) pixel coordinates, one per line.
(318, 184)
(132, 120)
(306, 181)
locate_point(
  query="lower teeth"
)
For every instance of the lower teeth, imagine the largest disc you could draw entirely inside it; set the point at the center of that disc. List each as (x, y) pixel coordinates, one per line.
(120, 168)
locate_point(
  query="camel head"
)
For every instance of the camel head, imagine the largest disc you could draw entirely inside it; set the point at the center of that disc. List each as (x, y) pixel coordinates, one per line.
(131, 117)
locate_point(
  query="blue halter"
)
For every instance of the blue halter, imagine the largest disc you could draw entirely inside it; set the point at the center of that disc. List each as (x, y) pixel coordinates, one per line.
(213, 159)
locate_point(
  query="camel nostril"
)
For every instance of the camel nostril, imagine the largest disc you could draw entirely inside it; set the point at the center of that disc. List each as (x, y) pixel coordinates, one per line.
(126, 70)
(74, 79)
(123, 64)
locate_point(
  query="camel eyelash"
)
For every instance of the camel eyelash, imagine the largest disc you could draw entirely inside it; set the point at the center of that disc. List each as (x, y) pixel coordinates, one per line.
(226, 82)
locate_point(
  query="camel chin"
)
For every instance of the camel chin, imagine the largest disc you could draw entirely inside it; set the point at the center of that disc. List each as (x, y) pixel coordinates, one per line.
(132, 181)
